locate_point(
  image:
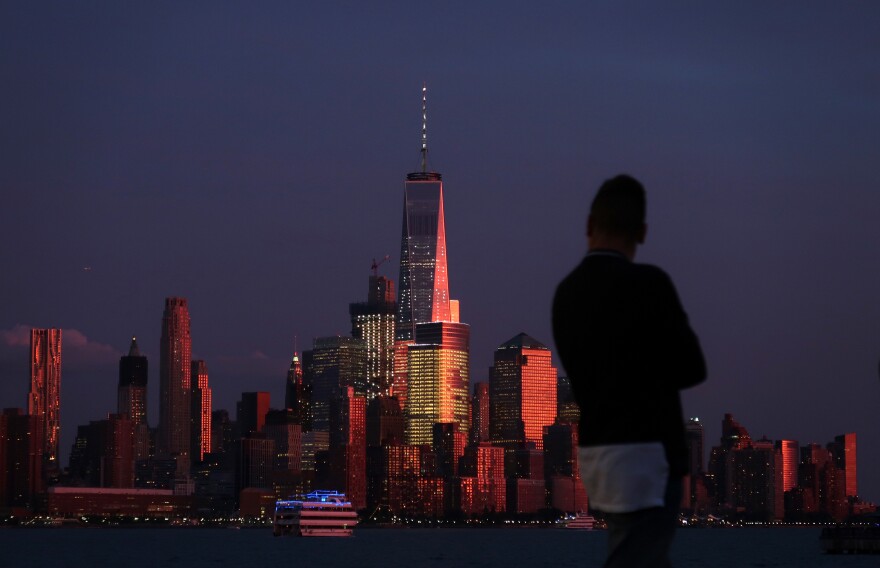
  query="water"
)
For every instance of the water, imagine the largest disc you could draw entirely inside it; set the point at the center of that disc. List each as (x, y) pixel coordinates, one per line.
(448, 548)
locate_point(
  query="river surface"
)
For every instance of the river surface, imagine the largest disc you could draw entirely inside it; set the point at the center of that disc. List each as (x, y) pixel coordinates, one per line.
(404, 548)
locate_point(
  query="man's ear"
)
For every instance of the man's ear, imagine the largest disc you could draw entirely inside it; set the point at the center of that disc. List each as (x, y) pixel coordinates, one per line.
(589, 226)
(642, 234)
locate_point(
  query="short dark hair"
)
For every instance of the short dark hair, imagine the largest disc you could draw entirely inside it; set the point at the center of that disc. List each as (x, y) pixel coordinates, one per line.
(619, 207)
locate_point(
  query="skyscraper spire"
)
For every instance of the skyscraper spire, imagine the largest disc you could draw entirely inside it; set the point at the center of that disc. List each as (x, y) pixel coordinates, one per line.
(424, 128)
(133, 351)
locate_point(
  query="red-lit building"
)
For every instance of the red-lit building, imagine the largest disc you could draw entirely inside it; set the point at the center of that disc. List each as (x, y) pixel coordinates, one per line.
(843, 448)
(482, 487)
(201, 410)
(175, 385)
(44, 395)
(348, 446)
(522, 392)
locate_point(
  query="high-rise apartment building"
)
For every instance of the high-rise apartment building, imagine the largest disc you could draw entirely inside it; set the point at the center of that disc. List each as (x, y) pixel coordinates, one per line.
(439, 375)
(175, 386)
(44, 395)
(373, 322)
(201, 410)
(522, 392)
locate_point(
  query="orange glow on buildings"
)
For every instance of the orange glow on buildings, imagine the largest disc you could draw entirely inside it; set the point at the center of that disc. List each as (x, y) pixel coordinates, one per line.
(201, 410)
(44, 396)
(439, 374)
(522, 392)
(175, 387)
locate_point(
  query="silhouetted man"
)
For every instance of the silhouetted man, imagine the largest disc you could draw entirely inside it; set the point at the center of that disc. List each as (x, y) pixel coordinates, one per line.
(626, 345)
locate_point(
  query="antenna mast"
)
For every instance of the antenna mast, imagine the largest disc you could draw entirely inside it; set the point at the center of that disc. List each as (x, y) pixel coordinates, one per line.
(424, 127)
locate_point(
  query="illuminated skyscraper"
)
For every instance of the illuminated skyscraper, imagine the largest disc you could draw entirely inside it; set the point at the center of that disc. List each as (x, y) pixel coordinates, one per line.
(201, 410)
(439, 375)
(522, 392)
(44, 396)
(423, 295)
(132, 392)
(333, 363)
(175, 388)
(789, 452)
(373, 322)
(297, 394)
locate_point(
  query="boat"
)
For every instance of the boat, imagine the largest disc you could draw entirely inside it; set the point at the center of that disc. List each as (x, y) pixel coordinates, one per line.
(582, 521)
(320, 513)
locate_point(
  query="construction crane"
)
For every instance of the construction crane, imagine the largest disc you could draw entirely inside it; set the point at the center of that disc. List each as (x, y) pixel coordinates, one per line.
(376, 265)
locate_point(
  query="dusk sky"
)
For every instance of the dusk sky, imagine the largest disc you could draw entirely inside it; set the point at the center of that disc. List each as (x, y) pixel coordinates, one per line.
(251, 158)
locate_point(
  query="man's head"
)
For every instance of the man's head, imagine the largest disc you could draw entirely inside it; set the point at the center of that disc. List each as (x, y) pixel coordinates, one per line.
(617, 216)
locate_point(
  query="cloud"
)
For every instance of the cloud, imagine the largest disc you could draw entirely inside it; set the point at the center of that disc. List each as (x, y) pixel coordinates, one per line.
(78, 352)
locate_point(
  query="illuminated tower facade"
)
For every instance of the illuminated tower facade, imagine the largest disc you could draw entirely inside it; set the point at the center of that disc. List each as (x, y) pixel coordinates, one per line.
(201, 410)
(423, 295)
(297, 394)
(131, 396)
(175, 387)
(522, 392)
(373, 322)
(439, 375)
(788, 453)
(44, 396)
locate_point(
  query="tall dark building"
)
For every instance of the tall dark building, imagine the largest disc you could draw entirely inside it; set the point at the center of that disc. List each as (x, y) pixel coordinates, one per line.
(695, 439)
(251, 412)
(298, 395)
(131, 396)
(480, 413)
(44, 395)
(333, 363)
(201, 411)
(522, 392)
(175, 386)
(384, 421)
(103, 453)
(844, 451)
(22, 472)
(373, 322)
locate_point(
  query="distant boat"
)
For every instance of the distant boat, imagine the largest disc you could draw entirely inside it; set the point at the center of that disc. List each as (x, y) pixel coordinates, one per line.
(582, 521)
(320, 513)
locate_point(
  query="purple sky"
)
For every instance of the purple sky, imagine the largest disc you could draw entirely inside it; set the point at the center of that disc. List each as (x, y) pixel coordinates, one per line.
(252, 160)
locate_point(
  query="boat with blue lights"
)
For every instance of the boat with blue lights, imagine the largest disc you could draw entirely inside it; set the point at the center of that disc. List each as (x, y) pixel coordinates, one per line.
(320, 513)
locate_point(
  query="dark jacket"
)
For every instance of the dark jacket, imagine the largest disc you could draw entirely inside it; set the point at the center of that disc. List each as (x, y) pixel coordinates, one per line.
(626, 345)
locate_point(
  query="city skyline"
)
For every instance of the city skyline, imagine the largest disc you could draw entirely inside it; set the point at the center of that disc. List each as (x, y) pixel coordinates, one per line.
(246, 168)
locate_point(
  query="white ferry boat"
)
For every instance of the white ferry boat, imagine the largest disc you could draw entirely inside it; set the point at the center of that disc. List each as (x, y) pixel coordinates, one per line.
(320, 513)
(582, 521)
